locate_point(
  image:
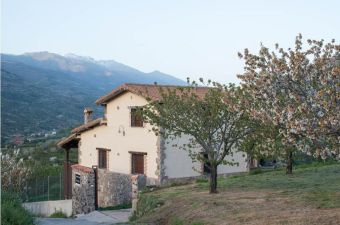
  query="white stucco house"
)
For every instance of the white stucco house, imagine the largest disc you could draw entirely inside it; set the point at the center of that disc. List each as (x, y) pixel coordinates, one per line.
(121, 142)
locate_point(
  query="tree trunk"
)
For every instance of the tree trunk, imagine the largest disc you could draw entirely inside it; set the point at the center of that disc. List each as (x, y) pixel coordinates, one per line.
(213, 179)
(318, 155)
(289, 168)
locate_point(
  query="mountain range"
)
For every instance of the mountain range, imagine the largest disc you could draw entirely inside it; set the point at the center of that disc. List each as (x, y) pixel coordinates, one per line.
(42, 91)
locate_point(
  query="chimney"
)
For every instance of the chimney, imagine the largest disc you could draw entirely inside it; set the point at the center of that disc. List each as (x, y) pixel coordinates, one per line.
(87, 115)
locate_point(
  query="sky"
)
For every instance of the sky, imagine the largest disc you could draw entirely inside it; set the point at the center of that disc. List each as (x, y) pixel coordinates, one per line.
(184, 38)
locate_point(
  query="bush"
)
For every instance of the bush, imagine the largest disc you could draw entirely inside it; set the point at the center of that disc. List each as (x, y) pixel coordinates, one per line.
(12, 212)
(58, 214)
(146, 204)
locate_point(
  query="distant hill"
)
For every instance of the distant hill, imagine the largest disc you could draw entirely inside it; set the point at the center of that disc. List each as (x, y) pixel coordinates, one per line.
(43, 91)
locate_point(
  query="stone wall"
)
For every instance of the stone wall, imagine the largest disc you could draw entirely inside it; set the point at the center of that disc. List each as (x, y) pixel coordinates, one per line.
(83, 194)
(113, 188)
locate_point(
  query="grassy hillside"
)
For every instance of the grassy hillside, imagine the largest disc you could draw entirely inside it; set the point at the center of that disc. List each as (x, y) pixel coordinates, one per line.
(309, 196)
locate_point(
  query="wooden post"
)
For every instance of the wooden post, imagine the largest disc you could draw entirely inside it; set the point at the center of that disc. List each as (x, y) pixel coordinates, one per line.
(95, 169)
(67, 174)
(67, 155)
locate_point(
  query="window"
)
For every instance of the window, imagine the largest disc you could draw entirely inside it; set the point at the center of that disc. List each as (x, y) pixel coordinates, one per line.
(137, 162)
(136, 118)
(77, 178)
(102, 158)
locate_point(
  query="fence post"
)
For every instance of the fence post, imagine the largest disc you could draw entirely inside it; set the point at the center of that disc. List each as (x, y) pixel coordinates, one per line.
(59, 186)
(36, 188)
(43, 190)
(26, 197)
(48, 188)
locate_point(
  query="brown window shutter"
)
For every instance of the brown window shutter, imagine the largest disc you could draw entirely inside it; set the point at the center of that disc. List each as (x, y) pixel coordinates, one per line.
(133, 117)
(137, 163)
(103, 158)
(136, 119)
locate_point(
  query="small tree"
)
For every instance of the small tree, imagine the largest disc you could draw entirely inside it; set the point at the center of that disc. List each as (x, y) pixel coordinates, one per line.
(298, 91)
(14, 172)
(211, 117)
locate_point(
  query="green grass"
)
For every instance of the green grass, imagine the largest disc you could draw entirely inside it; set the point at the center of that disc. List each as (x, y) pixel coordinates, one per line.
(178, 221)
(316, 186)
(201, 180)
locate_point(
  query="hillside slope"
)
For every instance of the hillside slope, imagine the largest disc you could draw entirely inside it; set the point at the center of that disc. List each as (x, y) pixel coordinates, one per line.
(310, 196)
(44, 91)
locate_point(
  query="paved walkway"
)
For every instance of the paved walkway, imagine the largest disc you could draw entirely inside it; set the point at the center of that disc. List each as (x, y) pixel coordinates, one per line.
(93, 218)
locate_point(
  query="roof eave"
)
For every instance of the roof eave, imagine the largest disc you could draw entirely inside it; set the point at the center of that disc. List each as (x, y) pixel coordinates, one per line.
(106, 98)
(69, 142)
(92, 124)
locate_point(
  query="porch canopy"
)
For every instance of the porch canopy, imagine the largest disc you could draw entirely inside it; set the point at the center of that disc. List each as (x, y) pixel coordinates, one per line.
(69, 142)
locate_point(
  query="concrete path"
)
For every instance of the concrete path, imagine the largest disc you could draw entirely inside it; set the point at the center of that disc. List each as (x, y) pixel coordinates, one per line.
(93, 218)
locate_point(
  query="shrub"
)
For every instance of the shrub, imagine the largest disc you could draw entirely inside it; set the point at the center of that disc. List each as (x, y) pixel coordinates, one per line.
(58, 214)
(146, 204)
(12, 212)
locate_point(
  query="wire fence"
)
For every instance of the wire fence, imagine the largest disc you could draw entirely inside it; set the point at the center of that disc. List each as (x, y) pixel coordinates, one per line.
(44, 189)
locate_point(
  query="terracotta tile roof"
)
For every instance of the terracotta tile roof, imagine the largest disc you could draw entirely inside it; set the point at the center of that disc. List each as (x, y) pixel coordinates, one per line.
(82, 168)
(89, 125)
(145, 90)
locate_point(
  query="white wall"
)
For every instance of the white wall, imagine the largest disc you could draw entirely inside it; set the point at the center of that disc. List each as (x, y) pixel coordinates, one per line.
(178, 163)
(136, 139)
(47, 208)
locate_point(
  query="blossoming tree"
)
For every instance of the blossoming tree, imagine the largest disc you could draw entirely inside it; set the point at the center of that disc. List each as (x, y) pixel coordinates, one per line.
(298, 91)
(215, 122)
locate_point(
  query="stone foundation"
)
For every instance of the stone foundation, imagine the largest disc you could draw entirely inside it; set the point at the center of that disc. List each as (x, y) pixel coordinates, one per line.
(83, 193)
(182, 180)
(113, 188)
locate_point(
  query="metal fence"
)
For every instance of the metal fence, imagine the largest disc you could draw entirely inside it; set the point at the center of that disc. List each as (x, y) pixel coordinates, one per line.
(44, 189)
